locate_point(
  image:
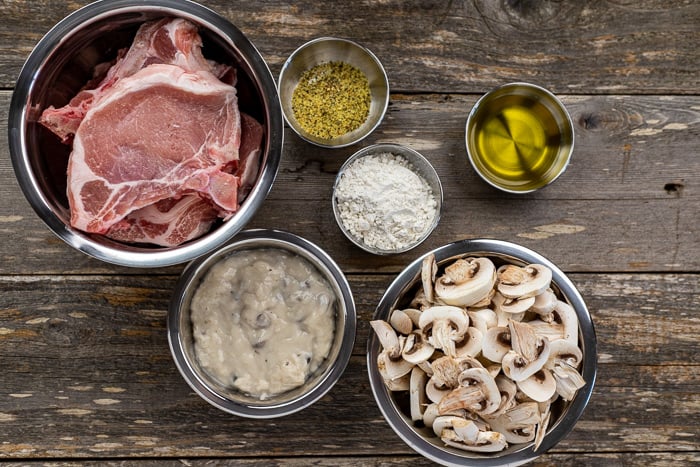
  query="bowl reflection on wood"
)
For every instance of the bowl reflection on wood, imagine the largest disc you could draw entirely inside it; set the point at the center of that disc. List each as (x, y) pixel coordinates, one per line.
(230, 400)
(422, 439)
(60, 65)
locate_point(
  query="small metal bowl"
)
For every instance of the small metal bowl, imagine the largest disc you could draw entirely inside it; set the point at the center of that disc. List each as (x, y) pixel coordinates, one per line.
(538, 116)
(422, 439)
(235, 402)
(330, 49)
(60, 65)
(420, 165)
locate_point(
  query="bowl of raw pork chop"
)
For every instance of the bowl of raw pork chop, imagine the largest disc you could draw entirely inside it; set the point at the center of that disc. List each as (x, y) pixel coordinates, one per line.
(145, 134)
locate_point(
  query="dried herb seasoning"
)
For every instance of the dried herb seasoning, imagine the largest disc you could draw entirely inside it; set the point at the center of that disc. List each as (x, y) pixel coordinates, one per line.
(331, 99)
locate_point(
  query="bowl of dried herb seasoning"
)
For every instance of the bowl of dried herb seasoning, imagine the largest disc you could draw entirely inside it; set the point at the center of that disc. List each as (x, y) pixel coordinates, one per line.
(333, 92)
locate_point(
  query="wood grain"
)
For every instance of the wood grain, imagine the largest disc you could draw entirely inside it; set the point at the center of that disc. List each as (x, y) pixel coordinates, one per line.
(645, 47)
(596, 217)
(87, 373)
(86, 365)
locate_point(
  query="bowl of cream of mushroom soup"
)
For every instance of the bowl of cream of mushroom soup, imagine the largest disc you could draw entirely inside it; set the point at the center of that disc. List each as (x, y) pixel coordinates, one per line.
(263, 327)
(482, 353)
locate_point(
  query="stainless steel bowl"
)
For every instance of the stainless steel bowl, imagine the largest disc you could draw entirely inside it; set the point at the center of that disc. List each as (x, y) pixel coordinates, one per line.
(421, 439)
(330, 49)
(63, 61)
(422, 167)
(235, 402)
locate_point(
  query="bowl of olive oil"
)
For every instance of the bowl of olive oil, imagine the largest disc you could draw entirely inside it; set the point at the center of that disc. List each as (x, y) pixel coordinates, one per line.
(519, 137)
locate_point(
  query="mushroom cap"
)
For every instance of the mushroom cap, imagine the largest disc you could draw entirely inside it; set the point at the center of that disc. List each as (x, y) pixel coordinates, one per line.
(529, 355)
(540, 387)
(518, 424)
(392, 369)
(517, 305)
(401, 322)
(521, 282)
(466, 281)
(496, 343)
(477, 392)
(428, 274)
(444, 325)
(483, 319)
(544, 303)
(387, 337)
(416, 349)
(471, 343)
(417, 398)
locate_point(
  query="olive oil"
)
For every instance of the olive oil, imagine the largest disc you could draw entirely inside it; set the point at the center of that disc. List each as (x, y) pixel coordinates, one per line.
(517, 143)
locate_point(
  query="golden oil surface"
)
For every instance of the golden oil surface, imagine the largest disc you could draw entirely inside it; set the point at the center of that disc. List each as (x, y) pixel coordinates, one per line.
(517, 142)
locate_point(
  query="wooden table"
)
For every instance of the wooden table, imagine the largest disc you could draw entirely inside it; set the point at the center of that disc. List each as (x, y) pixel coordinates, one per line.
(86, 372)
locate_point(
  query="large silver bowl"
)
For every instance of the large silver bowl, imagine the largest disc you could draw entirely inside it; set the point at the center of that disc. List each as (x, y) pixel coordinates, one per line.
(235, 402)
(421, 438)
(63, 61)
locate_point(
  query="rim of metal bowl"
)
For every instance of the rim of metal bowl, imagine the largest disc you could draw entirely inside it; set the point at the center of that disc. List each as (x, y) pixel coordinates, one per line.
(534, 88)
(330, 144)
(424, 168)
(521, 454)
(122, 254)
(323, 382)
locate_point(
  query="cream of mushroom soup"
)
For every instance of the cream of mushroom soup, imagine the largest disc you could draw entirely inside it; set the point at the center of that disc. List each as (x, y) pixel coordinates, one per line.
(263, 321)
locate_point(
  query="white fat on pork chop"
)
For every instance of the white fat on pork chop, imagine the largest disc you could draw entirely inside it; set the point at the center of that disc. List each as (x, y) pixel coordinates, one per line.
(159, 133)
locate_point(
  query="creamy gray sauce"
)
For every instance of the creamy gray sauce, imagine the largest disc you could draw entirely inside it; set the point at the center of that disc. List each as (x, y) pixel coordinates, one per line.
(263, 321)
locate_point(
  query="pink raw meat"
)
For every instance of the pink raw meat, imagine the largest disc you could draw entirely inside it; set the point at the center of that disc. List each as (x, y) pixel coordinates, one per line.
(157, 134)
(172, 41)
(170, 222)
(166, 223)
(249, 163)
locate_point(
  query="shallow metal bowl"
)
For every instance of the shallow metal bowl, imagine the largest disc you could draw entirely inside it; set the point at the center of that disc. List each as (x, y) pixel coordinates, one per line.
(420, 165)
(331, 49)
(230, 400)
(63, 61)
(421, 439)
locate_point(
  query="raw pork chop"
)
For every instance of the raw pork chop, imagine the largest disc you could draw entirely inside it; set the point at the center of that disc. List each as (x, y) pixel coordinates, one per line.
(169, 222)
(157, 134)
(172, 41)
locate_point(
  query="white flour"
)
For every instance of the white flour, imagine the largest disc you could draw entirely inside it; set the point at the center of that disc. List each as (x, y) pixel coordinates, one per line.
(384, 203)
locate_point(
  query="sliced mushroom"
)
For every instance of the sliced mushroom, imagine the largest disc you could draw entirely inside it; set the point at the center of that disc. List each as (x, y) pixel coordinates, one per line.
(477, 392)
(387, 337)
(401, 322)
(436, 390)
(464, 434)
(483, 319)
(393, 370)
(542, 427)
(470, 344)
(539, 387)
(414, 314)
(521, 282)
(508, 390)
(496, 343)
(519, 423)
(444, 325)
(529, 355)
(514, 306)
(544, 304)
(428, 274)
(415, 349)
(564, 359)
(417, 398)
(502, 316)
(466, 281)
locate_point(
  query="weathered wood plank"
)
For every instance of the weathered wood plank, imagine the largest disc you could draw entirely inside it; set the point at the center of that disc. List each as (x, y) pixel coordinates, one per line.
(593, 47)
(87, 373)
(551, 459)
(608, 212)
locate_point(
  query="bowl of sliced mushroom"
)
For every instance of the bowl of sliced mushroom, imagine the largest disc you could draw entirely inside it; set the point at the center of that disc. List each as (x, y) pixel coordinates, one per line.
(482, 352)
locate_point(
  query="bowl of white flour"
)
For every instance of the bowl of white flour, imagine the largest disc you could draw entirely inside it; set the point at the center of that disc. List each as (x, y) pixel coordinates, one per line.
(387, 198)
